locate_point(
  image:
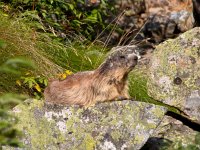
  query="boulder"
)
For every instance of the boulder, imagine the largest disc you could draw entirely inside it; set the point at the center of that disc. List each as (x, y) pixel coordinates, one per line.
(174, 76)
(105, 126)
(172, 134)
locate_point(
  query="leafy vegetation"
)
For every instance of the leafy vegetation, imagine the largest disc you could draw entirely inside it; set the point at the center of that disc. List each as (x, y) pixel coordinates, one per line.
(76, 55)
(9, 135)
(63, 17)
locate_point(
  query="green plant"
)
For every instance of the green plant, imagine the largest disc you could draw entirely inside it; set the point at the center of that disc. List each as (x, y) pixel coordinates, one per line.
(35, 85)
(138, 85)
(16, 65)
(61, 16)
(9, 135)
(21, 40)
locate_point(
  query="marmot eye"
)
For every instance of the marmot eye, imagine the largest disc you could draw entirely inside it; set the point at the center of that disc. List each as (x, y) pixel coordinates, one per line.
(122, 57)
(136, 58)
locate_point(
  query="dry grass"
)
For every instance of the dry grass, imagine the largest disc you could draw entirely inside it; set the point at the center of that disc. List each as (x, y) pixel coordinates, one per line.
(21, 40)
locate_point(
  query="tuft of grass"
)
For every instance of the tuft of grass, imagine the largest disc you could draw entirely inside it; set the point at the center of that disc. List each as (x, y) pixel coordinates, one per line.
(76, 55)
(16, 41)
(19, 40)
(138, 85)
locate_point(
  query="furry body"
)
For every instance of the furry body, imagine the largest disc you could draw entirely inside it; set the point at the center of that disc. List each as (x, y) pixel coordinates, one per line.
(108, 82)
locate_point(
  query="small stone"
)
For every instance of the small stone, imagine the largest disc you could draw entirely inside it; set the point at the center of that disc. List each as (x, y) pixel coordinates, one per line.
(177, 81)
(193, 60)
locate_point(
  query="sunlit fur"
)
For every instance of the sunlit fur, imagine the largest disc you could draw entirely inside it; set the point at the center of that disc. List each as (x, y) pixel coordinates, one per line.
(107, 82)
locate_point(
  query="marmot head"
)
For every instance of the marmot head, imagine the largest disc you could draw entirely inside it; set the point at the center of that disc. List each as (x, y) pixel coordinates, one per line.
(121, 57)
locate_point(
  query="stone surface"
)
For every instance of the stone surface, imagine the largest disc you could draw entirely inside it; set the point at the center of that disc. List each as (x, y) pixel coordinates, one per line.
(168, 18)
(175, 73)
(151, 20)
(106, 126)
(173, 134)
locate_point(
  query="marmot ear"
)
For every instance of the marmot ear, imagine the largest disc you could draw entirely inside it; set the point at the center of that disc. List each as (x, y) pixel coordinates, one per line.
(137, 54)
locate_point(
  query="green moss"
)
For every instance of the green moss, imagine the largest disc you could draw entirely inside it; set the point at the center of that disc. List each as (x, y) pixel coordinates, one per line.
(171, 59)
(116, 135)
(138, 139)
(85, 128)
(88, 143)
(39, 129)
(157, 112)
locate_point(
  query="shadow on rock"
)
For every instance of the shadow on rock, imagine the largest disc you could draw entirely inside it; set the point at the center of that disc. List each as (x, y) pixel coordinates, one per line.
(155, 143)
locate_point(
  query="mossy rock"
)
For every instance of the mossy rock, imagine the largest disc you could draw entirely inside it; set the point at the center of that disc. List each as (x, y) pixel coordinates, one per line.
(172, 134)
(174, 76)
(110, 125)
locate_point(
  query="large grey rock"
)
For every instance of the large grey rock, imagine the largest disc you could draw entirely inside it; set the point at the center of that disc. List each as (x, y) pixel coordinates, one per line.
(107, 126)
(175, 73)
(172, 134)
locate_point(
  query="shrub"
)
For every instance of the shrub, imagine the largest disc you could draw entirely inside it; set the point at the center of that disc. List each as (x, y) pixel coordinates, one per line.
(65, 16)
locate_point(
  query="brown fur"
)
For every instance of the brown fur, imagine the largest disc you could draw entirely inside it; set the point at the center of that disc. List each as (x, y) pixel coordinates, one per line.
(108, 82)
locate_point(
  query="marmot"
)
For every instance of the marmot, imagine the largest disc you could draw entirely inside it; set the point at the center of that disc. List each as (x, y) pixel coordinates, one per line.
(107, 82)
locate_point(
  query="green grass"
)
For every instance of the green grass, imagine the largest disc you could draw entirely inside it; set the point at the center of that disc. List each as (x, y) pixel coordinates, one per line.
(76, 55)
(138, 85)
(50, 55)
(19, 41)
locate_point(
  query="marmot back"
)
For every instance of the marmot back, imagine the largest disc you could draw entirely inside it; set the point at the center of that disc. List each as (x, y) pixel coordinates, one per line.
(107, 82)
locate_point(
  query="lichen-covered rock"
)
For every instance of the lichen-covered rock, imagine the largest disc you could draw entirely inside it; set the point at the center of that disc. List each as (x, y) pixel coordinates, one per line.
(106, 126)
(175, 73)
(172, 134)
